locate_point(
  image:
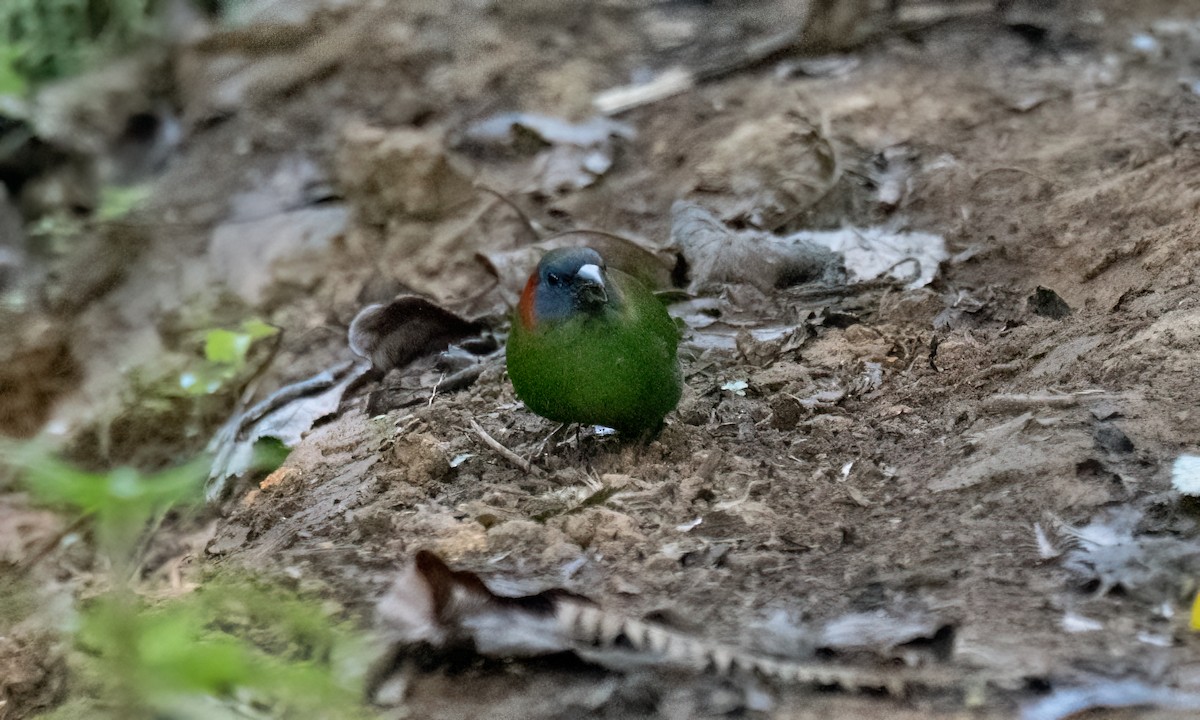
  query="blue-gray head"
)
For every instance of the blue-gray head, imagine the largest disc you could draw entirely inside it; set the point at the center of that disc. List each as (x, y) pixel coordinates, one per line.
(567, 281)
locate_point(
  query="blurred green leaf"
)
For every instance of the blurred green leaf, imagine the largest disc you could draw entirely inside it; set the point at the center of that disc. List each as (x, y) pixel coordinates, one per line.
(226, 346)
(229, 347)
(117, 202)
(60, 484)
(52, 229)
(121, 500)
(58, 38)
(166, 657)
(269, 454)
(11, 81)
(257, 329)
(209, 654)
(225, 352)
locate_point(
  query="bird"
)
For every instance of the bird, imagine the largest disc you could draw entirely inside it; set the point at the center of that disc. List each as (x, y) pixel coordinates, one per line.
(590, 344)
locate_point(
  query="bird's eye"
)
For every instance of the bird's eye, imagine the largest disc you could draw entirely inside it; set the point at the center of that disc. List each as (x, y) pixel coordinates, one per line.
(554, 279)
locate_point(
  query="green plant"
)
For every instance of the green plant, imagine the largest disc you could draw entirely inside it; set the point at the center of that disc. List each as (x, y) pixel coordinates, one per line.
(12, 82)
(231, 643)
(43, 40)
(234, 648)
(58, 231)
(50, 39)
(118, 201)
(119, 503)
(225, 354)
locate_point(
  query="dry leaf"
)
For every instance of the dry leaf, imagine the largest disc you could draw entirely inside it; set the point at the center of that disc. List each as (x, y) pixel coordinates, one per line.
(388, 336)
(717, 255)
(1070, 702)
(429, 602)
(285, 415)
(570, 156)
(879, 630)
(1111, 552)
(877, 252)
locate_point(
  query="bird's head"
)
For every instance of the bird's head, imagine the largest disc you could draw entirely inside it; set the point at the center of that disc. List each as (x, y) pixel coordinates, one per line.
(567, 281)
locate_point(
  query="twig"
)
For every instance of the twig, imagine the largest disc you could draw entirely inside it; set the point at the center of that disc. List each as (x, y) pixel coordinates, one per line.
(144, 546)
(541, 447)
(38, 555)
(922, 16)
(530, 227)
(670, 82)
(494, 444)
(676, 80)
(433, 393)
(1006, 168)
(590, 231)
(1004, 402)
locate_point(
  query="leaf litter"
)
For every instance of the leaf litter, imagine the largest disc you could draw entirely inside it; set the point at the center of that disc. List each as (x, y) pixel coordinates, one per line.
(717, 255)
(384, 337)
(838, 375)
(432, 605)
(567, 156)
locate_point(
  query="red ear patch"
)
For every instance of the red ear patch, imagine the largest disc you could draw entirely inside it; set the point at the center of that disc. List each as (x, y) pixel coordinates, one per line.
(525, 306)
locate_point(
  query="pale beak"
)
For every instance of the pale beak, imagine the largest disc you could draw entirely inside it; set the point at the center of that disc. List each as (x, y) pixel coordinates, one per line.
(591, 284)
(591, 273)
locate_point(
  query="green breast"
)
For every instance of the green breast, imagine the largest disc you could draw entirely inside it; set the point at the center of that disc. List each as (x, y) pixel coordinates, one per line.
(617, 368)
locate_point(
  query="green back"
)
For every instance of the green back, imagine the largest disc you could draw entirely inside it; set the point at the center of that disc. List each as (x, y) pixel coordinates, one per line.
(616, 369)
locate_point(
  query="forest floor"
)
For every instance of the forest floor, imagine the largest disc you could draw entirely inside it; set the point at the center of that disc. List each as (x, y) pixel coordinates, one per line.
(874, 474)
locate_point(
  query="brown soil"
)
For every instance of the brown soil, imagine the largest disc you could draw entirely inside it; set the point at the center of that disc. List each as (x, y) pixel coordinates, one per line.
(1061, 158)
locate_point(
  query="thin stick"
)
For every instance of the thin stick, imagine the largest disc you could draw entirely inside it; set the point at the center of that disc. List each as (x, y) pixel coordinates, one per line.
(1012, 168)
(541, 447)
(1005, 402)
(494, 444)
(676, 80)
(34, 558)
(668, 83)
(530, 227)
(433, 394)
(590, 231)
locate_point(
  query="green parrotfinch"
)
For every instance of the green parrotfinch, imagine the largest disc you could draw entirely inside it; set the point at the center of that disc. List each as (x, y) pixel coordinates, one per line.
(593, 345)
